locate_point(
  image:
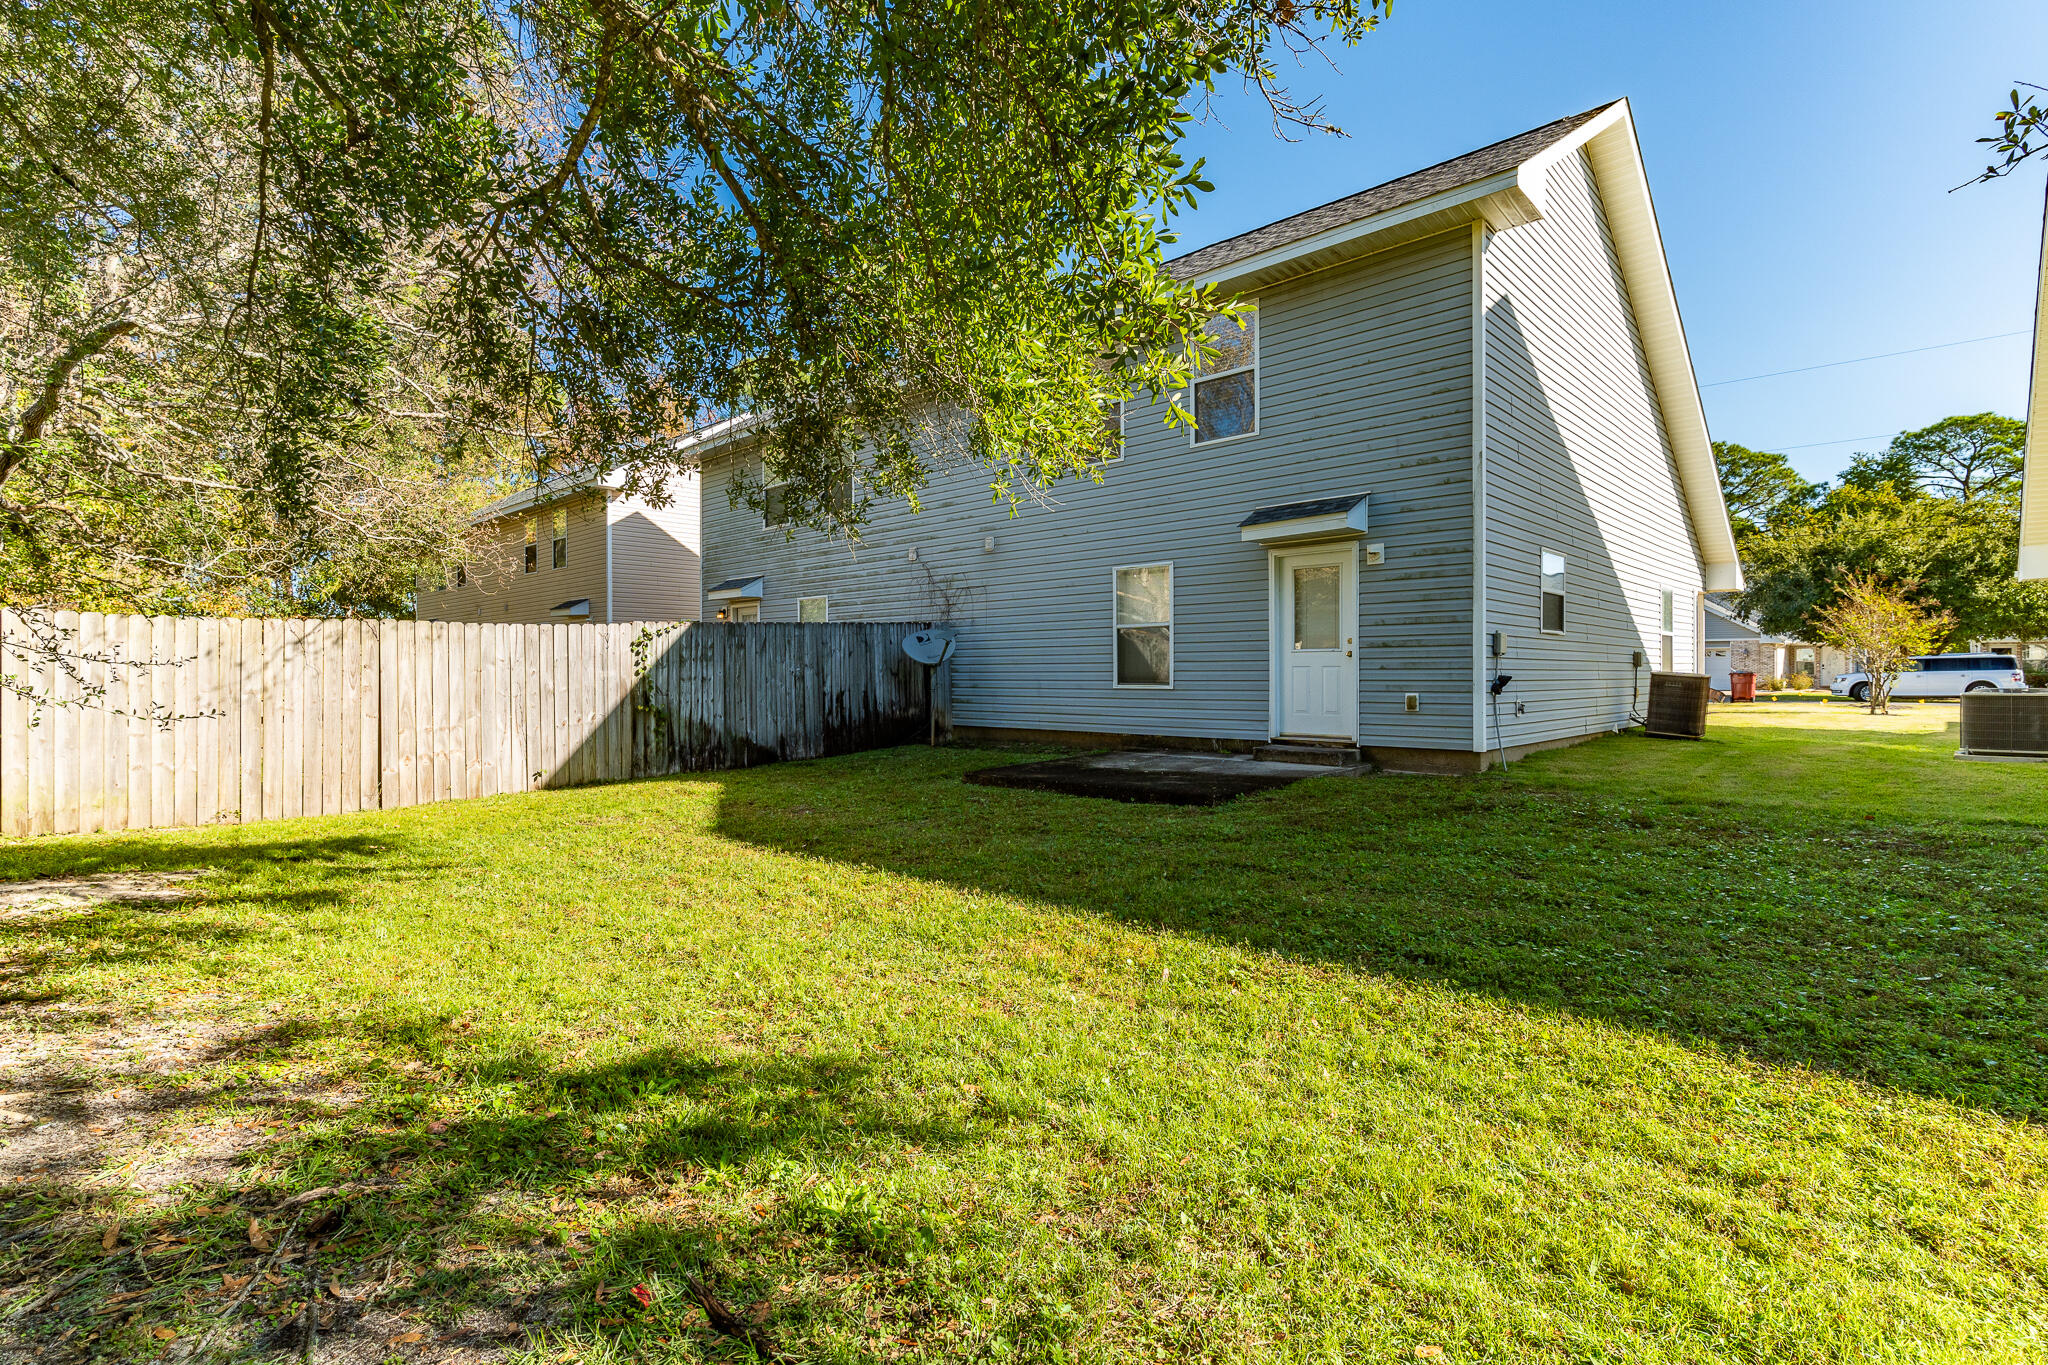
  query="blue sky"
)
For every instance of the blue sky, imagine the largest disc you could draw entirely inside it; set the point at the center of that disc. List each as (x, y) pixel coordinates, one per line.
(1801, 156)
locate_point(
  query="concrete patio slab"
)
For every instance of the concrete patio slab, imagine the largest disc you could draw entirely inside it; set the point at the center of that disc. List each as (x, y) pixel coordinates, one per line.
(1180, 779)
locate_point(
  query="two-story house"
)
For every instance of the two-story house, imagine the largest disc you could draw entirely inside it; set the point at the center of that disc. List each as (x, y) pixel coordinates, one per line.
(1458, 442)
(578, 549)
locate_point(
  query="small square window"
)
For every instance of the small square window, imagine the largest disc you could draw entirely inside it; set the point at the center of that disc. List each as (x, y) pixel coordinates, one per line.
(1144, 626)
(812, 609)
(1553, 591)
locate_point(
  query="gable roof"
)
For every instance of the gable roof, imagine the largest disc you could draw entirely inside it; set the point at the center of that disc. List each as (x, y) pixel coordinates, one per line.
(1504, 186)
(2034, 467)
(1457, 173)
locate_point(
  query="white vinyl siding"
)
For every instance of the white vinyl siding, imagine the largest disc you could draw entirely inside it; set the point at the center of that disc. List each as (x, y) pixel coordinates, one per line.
(1578, 462)
(1365, 385)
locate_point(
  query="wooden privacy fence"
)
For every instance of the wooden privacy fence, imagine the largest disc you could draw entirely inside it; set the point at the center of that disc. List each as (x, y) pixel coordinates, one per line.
(157, 721)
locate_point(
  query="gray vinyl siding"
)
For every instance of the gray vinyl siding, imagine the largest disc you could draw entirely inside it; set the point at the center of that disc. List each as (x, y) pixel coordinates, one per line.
(1365, 386)
(657, 560)
(499, 588)
(1578, 462)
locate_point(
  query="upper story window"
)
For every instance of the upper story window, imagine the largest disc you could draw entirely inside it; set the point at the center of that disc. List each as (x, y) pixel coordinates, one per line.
(1553, 591)
(1144, 626)
(461, 576)
(812, 609)
(775, 504)
(1667, 624)
(1227, 384)
(532, 546)
(561, 536)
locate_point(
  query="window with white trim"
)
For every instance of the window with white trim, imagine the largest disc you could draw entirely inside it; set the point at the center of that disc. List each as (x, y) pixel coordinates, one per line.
(532, 545)
(775, 503)
(1552, 589)
(812, 609)
(1144, 626)
(1226, 397)
(1113, 430)
(1667, 631)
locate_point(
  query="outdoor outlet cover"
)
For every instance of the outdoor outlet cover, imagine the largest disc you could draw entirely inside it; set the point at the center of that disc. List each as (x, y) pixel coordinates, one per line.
(1376, 553)
(988, 545)
(1413, 702)
(913, 552)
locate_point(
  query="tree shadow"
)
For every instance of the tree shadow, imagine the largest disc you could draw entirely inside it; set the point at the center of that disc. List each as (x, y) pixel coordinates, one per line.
(1845, 946)
(485, 1217)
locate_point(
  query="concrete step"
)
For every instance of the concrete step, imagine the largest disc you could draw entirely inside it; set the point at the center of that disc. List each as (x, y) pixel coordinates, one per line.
(1322, 755)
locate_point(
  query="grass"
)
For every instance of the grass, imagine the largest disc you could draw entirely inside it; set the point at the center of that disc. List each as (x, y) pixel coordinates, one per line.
(1650, 1052)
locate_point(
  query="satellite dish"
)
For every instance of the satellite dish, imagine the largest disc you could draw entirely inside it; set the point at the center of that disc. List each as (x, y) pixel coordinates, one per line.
(928, 647)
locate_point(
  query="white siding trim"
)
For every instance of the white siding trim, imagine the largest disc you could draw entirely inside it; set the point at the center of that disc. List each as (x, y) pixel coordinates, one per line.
(2034, 466)
(1480, 657)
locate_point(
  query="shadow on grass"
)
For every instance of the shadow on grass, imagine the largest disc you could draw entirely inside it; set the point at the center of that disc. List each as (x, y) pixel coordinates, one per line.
(1906, 956)
(484, 1207)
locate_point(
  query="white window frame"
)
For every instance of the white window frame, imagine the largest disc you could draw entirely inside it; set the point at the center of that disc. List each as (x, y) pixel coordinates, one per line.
(1667, 628)
(1115, 626)
(1197, 379)
(1123, 430)
(824, 608)
(766, 489)
(530, 555)
(1564, 598)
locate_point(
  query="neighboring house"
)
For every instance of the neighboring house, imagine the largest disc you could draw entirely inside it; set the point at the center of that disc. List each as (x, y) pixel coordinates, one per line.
(1736, 644)
(1463, 406)
(2034, 476)
(578, 549)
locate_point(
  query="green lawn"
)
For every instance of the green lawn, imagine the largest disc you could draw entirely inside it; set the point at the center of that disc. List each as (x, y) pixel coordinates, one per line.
(1648, 1052)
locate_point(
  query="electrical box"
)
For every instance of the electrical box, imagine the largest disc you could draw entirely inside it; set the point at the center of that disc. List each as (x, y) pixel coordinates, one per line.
(1375, 553)
(1638, 659)
(1412, 702)
(1497, 644)
(988, 545)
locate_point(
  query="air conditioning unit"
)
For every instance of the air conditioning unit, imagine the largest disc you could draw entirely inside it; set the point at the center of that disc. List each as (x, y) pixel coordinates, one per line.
(2005, 725)
(1678, 706)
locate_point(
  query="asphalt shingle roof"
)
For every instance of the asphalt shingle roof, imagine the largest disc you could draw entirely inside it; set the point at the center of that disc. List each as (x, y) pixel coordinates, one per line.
(1445, 175)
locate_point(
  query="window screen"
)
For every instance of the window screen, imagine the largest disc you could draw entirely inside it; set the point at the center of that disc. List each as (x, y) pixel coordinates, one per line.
(1227, 386)
(1553, 591)
(1144, 626)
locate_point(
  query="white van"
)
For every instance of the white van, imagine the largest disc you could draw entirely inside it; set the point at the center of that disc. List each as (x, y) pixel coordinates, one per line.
(1941, 675)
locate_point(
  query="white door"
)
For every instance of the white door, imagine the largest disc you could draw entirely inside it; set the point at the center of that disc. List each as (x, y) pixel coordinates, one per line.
(1315, 642)
(1717, 668)
(744, 611)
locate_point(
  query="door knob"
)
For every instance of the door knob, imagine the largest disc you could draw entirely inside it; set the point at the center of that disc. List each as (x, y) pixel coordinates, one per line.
(1347, 653)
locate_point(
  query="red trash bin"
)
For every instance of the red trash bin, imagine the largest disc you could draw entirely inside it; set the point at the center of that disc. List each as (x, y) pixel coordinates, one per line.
(1742, 687)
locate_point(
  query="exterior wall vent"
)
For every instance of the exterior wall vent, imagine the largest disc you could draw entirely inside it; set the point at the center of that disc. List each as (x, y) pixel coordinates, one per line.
(1678, 706)
(2005, 725)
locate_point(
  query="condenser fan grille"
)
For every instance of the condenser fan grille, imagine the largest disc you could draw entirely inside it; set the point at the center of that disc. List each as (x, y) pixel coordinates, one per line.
(2006, 723)
(1678, 706)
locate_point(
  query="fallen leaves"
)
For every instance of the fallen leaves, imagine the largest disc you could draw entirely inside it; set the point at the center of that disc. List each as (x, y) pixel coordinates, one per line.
(1429, 1353)
(163, 1334)
(642, 1295)
(230, 1283)
(406, 1339)
(111, 1237)
(258, 1238)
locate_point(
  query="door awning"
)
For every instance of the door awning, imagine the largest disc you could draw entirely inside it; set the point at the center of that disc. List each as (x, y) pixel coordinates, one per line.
(574, 607)
(1340, 518)
(743, 589)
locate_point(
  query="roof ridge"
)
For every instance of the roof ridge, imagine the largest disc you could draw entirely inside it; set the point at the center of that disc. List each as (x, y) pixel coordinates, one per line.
(1350, 208)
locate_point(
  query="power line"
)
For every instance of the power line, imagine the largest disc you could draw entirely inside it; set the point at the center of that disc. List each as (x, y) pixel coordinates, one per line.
(1833, 364)
(1846, 440)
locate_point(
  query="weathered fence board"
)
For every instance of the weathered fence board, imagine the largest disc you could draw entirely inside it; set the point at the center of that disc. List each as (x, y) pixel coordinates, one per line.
(149, 722)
